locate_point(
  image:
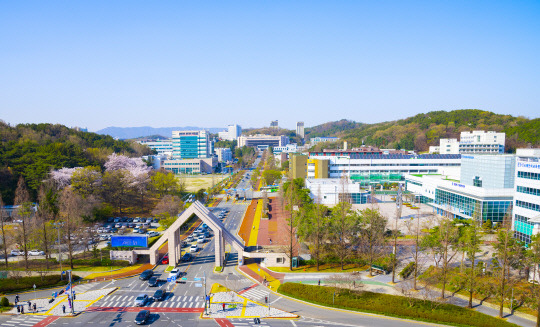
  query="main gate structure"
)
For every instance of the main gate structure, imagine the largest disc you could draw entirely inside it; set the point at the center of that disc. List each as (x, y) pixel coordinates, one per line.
(221, 235)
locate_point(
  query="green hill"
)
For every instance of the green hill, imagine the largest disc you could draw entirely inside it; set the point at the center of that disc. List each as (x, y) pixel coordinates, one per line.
(32, 150)
(421, 131)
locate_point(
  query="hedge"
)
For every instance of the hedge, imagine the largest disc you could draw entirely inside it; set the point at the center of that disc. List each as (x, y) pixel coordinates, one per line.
(391, 305)
(11, 285)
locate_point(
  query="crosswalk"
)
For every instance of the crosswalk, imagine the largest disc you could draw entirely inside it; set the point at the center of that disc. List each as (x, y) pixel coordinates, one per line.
(247, 322)
(23, 320)
(255, 294)
(175, 301)
(81, 288)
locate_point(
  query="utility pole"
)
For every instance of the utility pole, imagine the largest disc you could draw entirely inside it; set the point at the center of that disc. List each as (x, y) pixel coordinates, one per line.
(57, 226)
(398, 216)
(205, 295)
(71, 293)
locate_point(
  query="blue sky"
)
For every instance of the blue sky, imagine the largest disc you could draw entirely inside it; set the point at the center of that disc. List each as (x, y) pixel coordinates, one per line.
(211, 63)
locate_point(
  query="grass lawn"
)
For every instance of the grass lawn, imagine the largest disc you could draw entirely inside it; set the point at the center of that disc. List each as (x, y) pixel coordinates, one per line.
(108, 272)
(322, 268)
(195, 183)
(97, 269)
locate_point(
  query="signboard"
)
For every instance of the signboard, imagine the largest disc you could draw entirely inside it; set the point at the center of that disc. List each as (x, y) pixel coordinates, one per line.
(198, 285)
(129, 241)
(168, 279)
(197, 279)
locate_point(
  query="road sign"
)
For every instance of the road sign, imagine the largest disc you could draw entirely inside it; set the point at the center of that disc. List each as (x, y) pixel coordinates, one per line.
(173, 279)
(183, 278)
(197, 279)
(198, 285)
(168, 279)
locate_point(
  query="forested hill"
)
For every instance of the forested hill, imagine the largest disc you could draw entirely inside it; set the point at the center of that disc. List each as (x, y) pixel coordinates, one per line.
(32, 150)
(421, 131)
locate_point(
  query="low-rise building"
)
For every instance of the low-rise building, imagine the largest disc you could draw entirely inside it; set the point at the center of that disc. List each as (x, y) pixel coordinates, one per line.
(331, 191)
(224, 154)
(162, 147)
(262, 140)
(526, 211)
(191, 166)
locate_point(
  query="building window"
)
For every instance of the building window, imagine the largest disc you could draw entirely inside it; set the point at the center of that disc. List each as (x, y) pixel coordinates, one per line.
(280, 260)
(477, 181)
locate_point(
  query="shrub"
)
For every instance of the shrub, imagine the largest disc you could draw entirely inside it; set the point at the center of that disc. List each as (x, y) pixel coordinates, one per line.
(391, 305)
(26, 283)
(407, 271)
(4, 302)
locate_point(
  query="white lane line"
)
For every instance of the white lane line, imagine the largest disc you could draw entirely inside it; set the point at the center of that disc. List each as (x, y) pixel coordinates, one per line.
(293, 323)
(178, 304)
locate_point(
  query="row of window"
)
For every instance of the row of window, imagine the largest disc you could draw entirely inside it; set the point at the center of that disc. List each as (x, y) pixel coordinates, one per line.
(528, 175)
(489, 210)
(528, 190)
(527, 205)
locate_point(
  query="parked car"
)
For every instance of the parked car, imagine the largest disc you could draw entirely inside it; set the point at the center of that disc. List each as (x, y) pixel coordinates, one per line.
(116, 220)
(17, 252)
(194, 248)
(159, 295)
(186, 257)
(201, 238)
(118, 225)
(142, 230)
(205, 226)
(165, 260)
(190, 238)
(145, 275)
(130, 220)
(110, 219)
(153, 281)
(145, 225)
(36, 252)
(142, 317)
(153, 234)
(136, 220)
(155, 220)
(141, 300)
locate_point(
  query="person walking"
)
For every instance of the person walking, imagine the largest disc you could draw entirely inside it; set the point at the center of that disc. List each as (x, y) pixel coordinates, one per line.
(16, 298)
(22, 309)
(35, 308)
(18, 308)
(29, 306)
(63, 308)
(319, 283)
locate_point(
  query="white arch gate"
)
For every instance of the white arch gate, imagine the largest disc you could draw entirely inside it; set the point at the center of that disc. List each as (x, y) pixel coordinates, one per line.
(221, 235)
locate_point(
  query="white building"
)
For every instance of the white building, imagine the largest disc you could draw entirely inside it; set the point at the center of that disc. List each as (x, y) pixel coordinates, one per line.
(289, 148)
(191, 144)
(163, 147)
(300, 129)
(156, 160)
(232, 133)
(223, 154)
(262, 140)
(331, 191)
(526, 211)
(481, 142)
(319, 139)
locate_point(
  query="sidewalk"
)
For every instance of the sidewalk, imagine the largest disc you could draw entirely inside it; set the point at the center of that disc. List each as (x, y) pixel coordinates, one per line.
(255, 271)
(122, 273)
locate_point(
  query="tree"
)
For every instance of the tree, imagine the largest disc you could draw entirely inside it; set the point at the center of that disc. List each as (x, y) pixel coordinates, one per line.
(472, 241)
(24, 211)
(534, 255)
(314, 229)
(87, 181)
(372, 234)
(116, 188)
(5, 241)
(47, 211)
(164, 182)
(72, 209)
(289, 202)
(170, 205)
(342, 229)
(271, 176)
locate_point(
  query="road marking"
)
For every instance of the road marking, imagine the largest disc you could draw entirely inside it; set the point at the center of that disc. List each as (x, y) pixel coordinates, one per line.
(293, 323)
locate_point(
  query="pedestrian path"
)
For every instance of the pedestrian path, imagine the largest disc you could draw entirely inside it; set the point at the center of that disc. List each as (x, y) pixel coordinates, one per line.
(23, 320)
(256, 293)
(175, 301)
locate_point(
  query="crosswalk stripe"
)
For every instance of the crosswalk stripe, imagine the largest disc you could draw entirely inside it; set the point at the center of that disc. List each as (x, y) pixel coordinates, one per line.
(178, 305)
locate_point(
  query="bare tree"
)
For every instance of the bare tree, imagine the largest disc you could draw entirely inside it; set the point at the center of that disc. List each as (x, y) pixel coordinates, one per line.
(290, 209)
(372, 234)
(5, 241)
(24, 212)
(472, 241)
(71, 212)
(343, 228)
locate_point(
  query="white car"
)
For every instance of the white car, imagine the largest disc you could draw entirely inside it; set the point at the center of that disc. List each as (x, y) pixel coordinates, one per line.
(194, 248)
(153, 233)
(36, 252)
(201, 238)
(17, 252)
(175, 273)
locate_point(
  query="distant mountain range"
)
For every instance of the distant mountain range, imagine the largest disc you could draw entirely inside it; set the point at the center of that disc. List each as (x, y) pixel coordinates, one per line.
(134, 132)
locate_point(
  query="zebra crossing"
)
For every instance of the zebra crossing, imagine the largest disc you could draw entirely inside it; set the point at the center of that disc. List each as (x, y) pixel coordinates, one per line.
(174, 301)
(255, 294)
(247, 322)
(23, 320)
(81, 288)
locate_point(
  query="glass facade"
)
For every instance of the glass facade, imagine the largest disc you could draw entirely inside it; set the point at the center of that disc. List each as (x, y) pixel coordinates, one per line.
(490, 209)
(528, 205)
(523, 229)
(528, 175)
(528, 190)
(488, 171)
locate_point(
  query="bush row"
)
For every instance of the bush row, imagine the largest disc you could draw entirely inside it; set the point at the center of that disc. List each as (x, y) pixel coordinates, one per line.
(392, 305)
(11, 285)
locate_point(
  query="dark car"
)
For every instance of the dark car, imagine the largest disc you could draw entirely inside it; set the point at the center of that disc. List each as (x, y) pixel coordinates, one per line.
(130, 220)
(142, 317)
(186, 257)
(153, 281)
(110, 219)
(145, 275)
(159, 295)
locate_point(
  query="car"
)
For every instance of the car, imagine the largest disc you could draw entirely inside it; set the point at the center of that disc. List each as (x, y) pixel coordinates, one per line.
(194, 248)
(153, 234)
(205, 226)
(141, 300)
(116, 220)
(118, 225)
(186, 257)
(136, 220)
(145, 275)
(36, 252)
(159, 295)
(149, 220)
(131, 225)
(17, 252)
(142, 230)
(175, 273)
(165, 260)
(110, 219)
(124, 220)
(200, 230)
(190, 238)
(142, 317)
(145, 225)
(201, 238)
(130, 220)
(153, 281)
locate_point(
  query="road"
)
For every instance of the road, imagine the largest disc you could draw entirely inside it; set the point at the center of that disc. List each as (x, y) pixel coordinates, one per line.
(184, 301)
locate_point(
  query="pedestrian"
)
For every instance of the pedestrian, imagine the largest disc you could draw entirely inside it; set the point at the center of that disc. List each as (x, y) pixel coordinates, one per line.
(29, 306)
(35, 308)
(223, 304)
(16, 298)
(63, 308)
(354, 284)
(22, 309)
(319, 283)
(18, 309)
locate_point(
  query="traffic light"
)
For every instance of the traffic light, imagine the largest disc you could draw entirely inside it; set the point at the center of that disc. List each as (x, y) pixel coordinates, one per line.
(266, 299)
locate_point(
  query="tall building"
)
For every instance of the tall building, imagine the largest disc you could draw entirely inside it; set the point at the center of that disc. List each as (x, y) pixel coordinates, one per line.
(223, 154)
(191, 145)
(488, 171)
(232, 132)
(300, 129)
(162, 147)
(298, 165)
(274, 124)
(526, 211)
